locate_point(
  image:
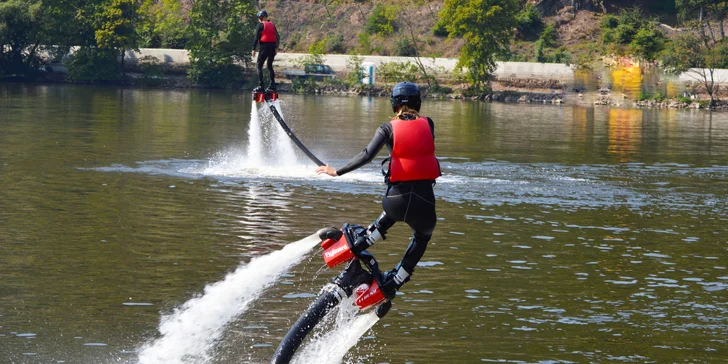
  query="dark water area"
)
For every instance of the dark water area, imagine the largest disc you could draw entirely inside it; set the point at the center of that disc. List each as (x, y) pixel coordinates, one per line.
(565, 234)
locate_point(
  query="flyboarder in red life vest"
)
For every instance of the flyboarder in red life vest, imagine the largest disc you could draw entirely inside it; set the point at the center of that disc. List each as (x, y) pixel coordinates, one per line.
(413, 169)
(266, 35)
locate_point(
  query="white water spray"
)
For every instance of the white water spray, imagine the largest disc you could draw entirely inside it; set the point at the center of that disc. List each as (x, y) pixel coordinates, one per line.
(255, 139)
(330, 346)
(191, 331)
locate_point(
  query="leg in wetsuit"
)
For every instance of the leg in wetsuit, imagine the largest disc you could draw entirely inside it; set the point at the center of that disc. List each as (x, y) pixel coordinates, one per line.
(413, 203)
(267, 53)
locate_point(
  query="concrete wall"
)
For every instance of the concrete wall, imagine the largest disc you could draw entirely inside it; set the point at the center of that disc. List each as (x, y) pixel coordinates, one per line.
(180, 58)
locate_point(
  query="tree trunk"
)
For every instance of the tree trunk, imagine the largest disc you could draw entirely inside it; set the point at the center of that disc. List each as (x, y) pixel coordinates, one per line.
(123, 53)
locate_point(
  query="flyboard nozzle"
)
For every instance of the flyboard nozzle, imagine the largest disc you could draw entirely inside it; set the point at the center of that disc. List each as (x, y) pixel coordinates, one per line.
(337, 250)
(265, 96)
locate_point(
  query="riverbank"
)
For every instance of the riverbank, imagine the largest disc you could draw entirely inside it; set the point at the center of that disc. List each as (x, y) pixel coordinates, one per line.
(586, 89)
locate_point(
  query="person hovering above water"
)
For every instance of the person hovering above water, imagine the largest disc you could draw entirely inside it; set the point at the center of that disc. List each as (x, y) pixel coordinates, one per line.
(267, 36)
(413, 169)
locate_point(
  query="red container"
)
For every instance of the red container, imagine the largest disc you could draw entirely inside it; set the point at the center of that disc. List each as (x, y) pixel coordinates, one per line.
(336, 253)
(370, 297)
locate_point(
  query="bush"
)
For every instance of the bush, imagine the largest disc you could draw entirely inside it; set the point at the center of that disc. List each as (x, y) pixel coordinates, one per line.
(221, 74)
(151, 70)
(539, 51)
(609, 21)
(608, 36)
(403, 47)
(353, 64)
(648, 43)
(393, 72)
(624, 33)
(92, 64)
(304, 85)
(440, 30)
(562, 56)
(382, 20)
(365, 44)
(529, 22)
(335, 44)
(315, 54)
(549, 36)
(633, 17)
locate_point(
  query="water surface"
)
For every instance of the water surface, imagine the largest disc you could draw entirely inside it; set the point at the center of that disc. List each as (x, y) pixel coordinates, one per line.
(566, 234)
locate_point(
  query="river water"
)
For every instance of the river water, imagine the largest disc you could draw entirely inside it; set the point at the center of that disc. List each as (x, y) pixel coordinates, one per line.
(565, 234)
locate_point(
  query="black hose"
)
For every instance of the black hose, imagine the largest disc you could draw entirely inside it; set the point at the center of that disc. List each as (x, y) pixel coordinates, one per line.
(303, 326)
(293, 137)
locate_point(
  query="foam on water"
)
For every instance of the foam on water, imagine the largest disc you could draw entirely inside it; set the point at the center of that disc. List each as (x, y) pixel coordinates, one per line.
(189, 334)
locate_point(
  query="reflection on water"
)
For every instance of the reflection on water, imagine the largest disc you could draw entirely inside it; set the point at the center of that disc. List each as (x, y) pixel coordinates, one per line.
(566, 234)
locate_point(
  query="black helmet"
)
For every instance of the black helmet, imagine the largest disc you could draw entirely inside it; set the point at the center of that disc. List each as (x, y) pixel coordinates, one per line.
(406, 93)
(262, 13)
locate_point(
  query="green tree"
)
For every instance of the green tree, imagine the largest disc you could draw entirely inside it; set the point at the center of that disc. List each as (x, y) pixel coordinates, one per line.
(708, 12)
(221, 34)
(487, 27)
(648, 43)
(114, 26)
(22, 32)
(699, 51)
(529, 22)
(382, 20)
(162, 24)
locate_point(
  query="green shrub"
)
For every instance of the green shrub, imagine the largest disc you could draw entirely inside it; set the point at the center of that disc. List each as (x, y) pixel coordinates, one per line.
(562, 56)
(609, 21)
(220, 74)
(624, 33)
(539, 51)
(648, 43)
(392, 72)
(335, 44)
(632, 16)
(382, 20)
(549, 36)
(440, 30)
(304, 85)
(151, 70)
(365, 44)
(353, 64)
(92, 64)
(315, 54)
(529, 22)
(403, 47)
(608, 36)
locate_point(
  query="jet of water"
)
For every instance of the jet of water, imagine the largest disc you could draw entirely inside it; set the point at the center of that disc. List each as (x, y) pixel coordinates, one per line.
(332, 343)
(190, 332)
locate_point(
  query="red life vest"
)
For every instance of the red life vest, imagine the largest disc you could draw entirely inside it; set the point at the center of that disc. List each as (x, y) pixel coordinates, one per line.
(269, 33)
(413, 153)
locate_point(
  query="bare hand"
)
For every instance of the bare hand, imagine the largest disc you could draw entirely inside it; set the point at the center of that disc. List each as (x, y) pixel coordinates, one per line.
(253, 54)
(326, 170)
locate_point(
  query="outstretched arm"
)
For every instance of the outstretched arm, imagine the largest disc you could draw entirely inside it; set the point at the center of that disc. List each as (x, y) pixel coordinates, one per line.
(365, 156)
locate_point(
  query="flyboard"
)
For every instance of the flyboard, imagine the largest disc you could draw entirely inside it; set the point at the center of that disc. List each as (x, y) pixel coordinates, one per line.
(361, 276)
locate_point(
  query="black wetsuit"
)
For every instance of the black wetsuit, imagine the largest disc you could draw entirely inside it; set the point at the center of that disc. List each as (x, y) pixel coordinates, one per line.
(266, 53)
(412, 202)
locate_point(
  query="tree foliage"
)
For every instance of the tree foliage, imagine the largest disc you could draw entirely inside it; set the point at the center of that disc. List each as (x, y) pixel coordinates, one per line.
(529, 22)
(22, 31)
(382, 20)
(221, 36)
(703, 48)
(487, 26)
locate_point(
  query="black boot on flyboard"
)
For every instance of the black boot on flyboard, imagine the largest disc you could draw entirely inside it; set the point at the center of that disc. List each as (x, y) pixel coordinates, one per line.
(361, 277)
